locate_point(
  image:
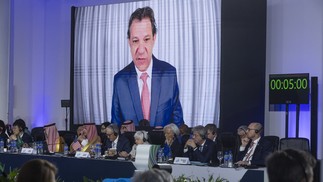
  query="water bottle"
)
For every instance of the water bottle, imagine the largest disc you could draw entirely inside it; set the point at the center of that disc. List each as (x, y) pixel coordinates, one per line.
(169, 155)
(1, 145)
(41, 148)
(97, 150)
(230, 159)
(226, 158)
(65, 149)
(160, 155)
(13, 147)
(34, 148)
(166, 152)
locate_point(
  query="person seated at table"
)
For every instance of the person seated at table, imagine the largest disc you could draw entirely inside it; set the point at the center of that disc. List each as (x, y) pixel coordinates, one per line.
(103, 135)
(144, 122)
(141, 137)
(290, 165)
(55, 143)
(3, 136)
(241, 137)
(37, 170)
(87, 138)
(200, 148)
(117, 145)
(127, 126)
(185, 133)
(213, 134)
(256, 150)
(19, 135)
(172, 145)
(156, 175)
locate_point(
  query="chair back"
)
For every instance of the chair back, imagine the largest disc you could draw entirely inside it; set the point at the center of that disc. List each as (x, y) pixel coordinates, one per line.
(130, 136)
(274, 141)
(38, 134)
(295, 143)
(68, 136)
(228, 140)
(156, 137)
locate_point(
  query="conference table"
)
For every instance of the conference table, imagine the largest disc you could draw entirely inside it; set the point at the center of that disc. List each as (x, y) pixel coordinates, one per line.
(240, 174)
(72, 169)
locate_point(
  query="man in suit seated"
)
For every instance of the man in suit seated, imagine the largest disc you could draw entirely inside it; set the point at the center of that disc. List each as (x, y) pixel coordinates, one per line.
(256, 149)
(117, 143)
(199, 148)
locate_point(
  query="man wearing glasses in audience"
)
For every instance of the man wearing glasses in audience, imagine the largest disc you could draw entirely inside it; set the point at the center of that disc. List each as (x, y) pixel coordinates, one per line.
(117, 145)
(256, 149)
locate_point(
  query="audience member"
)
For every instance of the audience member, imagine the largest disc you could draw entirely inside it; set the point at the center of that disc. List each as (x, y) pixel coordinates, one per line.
(54, 142)
(103, 135)
(3, 136)
(37, 170)
(117, 142)
(155, 175)
(141, 137)
(290, 165)
(172, 145)
(240, 138)
(144, 122)
(242, 131)
(256, 149)
(213, 134)
(185, 133)
(9, 129)
(87, 137)
(22, 138)
(200, 148)
(144, 125)
(127, 126)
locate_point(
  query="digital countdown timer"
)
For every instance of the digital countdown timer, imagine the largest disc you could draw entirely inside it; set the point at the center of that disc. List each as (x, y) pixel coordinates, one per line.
(289, 88)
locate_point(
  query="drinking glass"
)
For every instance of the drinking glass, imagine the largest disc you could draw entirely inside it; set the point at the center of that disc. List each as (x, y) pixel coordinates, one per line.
(220, 156)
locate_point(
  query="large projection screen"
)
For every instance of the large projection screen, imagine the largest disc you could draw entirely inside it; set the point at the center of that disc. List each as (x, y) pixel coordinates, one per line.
(188, 37)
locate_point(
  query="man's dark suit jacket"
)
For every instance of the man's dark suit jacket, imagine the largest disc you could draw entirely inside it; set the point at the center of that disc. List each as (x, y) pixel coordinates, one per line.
(165, 106)
(122, 145)
(262, 150)
(207, 154)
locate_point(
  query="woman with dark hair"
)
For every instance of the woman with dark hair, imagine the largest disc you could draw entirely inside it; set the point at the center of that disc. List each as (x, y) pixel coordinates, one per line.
(37, 170)
(3, 136)
(22, 138)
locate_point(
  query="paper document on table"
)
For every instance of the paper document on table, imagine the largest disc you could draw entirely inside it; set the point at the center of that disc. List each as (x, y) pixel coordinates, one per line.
(145, 156)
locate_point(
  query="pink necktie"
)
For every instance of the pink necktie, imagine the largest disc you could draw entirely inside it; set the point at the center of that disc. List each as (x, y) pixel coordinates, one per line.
(145, 101)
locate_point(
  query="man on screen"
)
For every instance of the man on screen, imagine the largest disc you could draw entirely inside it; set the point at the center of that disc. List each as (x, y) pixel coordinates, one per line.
(147, 88)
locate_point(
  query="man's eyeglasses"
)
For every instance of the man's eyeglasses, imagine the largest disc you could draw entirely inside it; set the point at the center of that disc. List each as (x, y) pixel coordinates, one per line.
(109, 134)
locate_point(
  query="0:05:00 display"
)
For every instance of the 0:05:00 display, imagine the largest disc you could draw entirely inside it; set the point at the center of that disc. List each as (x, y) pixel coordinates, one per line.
(289, 84)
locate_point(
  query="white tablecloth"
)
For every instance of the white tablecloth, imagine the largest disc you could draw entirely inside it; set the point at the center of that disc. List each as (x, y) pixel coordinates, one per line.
(200, 172)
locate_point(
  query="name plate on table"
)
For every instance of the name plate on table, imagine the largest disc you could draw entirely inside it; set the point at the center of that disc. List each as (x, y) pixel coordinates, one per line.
(182, 160)
(27, 150)
(79, 154)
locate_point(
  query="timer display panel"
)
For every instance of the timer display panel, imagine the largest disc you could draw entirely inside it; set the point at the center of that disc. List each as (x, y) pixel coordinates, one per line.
(289, 88)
